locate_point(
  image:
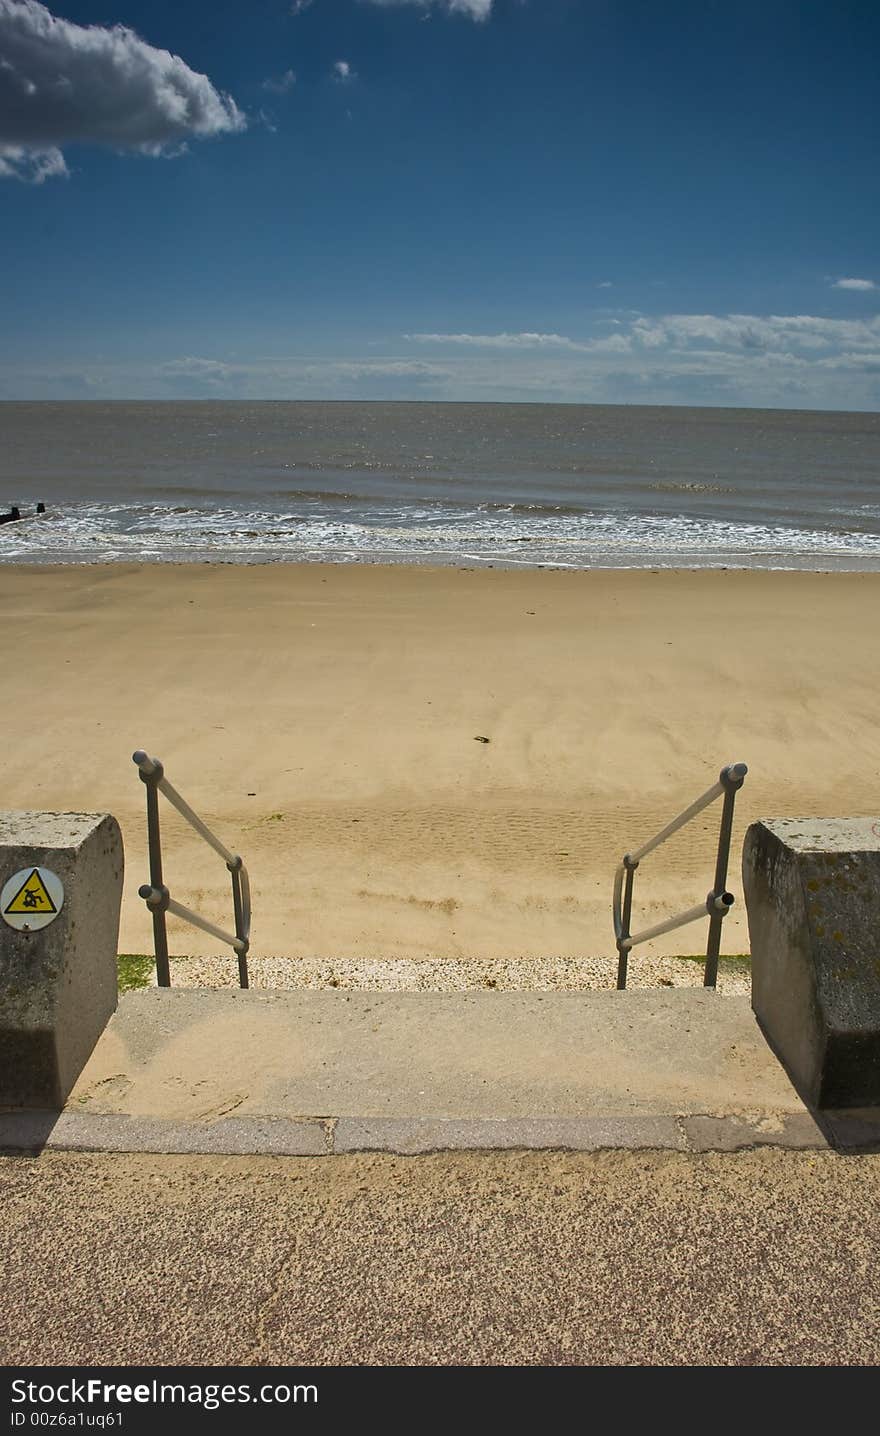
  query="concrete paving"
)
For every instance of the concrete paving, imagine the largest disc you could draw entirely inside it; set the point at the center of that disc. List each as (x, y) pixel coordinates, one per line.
(764, 1257)
(318, 1073)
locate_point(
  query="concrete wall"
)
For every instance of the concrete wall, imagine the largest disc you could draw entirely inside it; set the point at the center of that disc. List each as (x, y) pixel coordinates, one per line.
(58, 983)
(812, 889)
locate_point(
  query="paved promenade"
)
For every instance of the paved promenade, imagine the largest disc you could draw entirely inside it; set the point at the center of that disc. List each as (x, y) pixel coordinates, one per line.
(760, 1257)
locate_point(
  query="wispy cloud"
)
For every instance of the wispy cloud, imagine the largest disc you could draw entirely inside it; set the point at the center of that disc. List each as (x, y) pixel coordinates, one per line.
(342, 71)
(62, 83)
(369, 369)
(591, 371)
(193, 376)
(192, 367)
(756, 332)
(282, 84)
(499, 341)
(795, 361)
(853, 284)
(34, 166)
(474, 9)
(607, 344)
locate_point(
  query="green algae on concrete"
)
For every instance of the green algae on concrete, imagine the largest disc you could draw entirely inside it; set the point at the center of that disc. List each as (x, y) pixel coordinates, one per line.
(134, 970)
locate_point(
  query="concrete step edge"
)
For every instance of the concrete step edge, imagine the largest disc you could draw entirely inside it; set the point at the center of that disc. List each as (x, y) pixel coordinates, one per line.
(35, 1131)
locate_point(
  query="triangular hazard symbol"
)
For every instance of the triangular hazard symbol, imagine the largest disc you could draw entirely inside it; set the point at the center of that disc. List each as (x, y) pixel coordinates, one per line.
(32, 897)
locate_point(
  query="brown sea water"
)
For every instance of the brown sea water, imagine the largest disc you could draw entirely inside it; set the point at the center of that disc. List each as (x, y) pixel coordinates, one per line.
(520, 484)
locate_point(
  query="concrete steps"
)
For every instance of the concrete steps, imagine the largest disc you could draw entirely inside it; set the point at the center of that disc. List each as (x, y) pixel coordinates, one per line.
(313, 1073)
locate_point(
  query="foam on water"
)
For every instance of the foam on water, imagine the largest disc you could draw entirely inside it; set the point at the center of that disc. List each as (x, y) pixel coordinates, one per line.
(438, 534)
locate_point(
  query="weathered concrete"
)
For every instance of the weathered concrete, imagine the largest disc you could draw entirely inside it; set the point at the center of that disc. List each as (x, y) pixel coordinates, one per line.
(795, 1131)
(231, 1136)
(408, 1136)
(330, 1072)
(58, 984)
(174, 1053)
(812, 889)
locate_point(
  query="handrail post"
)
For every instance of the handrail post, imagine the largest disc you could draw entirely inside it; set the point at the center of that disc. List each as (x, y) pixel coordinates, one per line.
(240, 931)
(731, 781)
(160, 932)
(626, 913)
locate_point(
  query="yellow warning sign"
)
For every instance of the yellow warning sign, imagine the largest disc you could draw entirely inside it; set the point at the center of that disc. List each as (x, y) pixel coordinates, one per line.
(32, 897)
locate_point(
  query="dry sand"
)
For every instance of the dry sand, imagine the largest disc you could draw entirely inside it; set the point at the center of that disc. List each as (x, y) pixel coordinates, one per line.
(323, 719)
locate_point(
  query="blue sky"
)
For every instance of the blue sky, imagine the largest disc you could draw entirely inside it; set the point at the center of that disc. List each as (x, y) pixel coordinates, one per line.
(609, 201)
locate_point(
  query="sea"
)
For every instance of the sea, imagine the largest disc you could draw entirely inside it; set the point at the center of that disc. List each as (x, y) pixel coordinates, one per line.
(467, 484)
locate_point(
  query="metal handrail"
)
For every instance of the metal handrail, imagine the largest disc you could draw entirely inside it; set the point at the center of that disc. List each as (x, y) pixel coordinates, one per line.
(156, 895)
(718, 902)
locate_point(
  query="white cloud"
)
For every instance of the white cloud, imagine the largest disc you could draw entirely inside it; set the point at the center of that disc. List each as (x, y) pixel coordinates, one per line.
(755, 332)
(853, 284)
(499, 341)
(782, 361)
(609, 344)
(792, 334)
(342, 71)
(194, 376)
(62, 83)
(385, 369)
(598, 371)
(34, 166)
(192, 367)
(860, 360)
(605, 284)
(282, 84)
(475, 9)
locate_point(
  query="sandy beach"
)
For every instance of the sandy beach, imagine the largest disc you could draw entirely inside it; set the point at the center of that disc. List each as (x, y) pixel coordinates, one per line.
(324, 719)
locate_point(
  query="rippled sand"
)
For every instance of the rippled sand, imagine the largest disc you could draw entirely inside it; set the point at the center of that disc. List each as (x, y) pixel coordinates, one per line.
(323, 719)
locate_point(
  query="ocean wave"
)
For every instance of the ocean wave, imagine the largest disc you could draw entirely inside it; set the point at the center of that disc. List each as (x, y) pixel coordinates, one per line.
(317, 496)
(689, 486)
(533, 509)
(534, 534)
